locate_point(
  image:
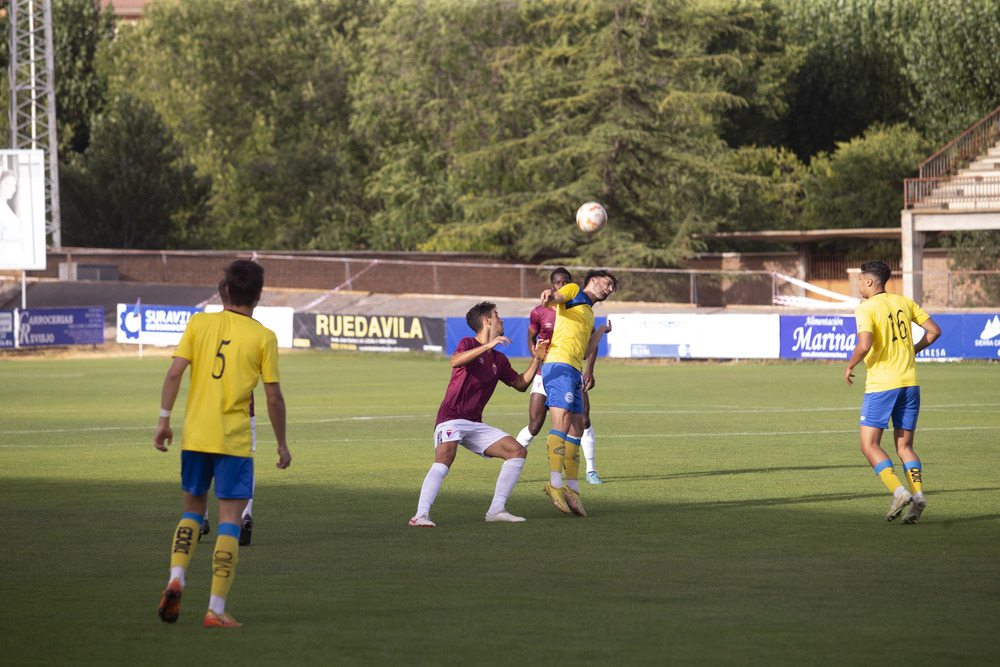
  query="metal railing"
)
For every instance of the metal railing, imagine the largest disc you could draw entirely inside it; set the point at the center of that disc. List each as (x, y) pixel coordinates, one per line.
(962, 149)
(958, 153)
(957, 193)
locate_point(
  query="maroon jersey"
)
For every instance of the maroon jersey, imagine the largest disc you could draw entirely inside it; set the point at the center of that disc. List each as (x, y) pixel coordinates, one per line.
(472, 385)
(542, 321)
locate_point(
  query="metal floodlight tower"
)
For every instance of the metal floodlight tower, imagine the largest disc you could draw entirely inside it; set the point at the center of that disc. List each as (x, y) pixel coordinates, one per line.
(33, 96)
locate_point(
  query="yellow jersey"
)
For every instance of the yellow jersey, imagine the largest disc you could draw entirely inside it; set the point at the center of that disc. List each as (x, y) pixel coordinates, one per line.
(228, 352)
(891, 360)
(574, 324)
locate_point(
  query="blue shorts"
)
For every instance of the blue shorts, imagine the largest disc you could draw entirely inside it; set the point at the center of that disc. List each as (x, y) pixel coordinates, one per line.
(563, 387)
(233, 474)
(902, 404)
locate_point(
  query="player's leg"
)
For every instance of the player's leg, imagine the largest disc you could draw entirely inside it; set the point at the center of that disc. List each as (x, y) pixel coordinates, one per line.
(196, 477)
(444, 456)
(571, 463)
(875, 410)
(246, 521)
(511, 451)
(904, 419)
(536, 412)
(588, 442)
(233, 486)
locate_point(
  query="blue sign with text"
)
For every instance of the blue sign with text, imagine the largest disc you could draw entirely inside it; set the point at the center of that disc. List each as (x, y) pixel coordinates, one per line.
(60, 326)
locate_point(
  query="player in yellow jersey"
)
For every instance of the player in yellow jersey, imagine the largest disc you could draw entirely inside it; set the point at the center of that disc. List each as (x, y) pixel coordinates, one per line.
(885, 343)
(247, 523)
(228, 352)
(573, 340)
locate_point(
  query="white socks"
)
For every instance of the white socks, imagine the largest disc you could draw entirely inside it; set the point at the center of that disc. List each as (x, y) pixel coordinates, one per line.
(217, 604)
(431, 486)
(525, 437)
(510, 472)
(589, 443)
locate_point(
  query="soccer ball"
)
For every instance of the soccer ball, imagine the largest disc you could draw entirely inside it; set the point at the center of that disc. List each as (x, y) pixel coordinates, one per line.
(591, 216)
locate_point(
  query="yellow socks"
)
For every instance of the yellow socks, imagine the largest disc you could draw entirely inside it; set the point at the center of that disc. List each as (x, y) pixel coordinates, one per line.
(557, 451)
(224, 559)
(887, 475)
(913, 481)
(572, 457)
(185, 539)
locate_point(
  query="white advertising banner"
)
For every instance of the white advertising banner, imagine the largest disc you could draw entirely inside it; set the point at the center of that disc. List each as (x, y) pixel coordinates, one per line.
(163, 325)
(690, 336)
(22, 209)
(277, 319)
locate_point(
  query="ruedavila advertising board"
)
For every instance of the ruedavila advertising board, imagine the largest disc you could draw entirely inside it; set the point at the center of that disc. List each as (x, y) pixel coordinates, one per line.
(368, 333)
(60, 326)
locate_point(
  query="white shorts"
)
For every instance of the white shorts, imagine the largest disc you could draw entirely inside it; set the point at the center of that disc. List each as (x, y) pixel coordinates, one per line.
(474, 436)
(538, 387)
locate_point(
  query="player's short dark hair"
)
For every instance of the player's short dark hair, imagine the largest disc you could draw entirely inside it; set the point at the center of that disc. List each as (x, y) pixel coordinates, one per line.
(244, 281)
(601, 273)
(878, 270)
(560, 270)
(474, 318)
(224, 291)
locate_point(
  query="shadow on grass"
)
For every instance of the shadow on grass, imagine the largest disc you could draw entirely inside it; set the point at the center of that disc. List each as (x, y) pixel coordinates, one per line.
(715, 473)
(335, 570)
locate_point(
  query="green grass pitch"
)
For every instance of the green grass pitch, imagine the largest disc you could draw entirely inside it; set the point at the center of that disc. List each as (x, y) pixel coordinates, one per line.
(739, 524)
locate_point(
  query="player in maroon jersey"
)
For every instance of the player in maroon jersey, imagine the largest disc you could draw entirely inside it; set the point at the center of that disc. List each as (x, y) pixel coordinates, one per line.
(477, 367)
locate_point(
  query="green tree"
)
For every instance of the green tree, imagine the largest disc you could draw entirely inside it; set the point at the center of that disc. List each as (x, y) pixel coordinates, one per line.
(256, 92)
(853, 73)
(536, 107)
(132, 188)
(771, 191)
(80, 34)
(860, 183)
(952, 55)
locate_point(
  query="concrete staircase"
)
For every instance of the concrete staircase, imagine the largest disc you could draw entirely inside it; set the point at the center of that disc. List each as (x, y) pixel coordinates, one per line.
(974, 188)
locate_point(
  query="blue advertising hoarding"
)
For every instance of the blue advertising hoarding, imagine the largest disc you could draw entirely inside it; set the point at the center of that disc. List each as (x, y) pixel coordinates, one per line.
(963, 336)
(817, 336)
(152, 324)
(980, 335)
(6, 328)
(515, 328)
(60, 326)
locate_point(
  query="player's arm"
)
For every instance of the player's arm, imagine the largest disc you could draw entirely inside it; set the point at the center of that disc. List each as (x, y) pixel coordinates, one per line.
(931, 333)
(588, 372)
(171, 386)
(465, 357)
(276, 413)
(532, 336)
(551, 297)
(538, 350)
(595, 339)
(862, 347)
